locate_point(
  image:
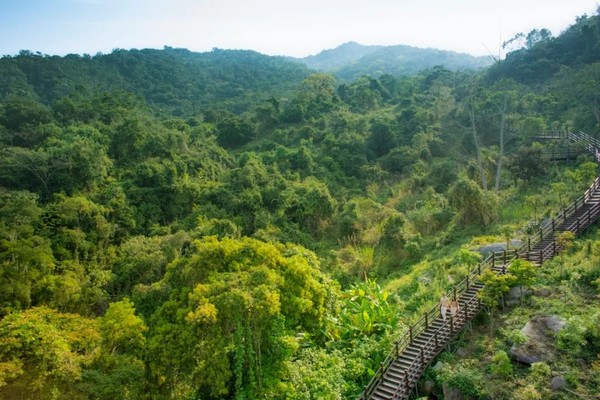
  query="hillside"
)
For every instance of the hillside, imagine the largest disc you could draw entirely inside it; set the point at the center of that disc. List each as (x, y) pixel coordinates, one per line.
(351, 60)
(177, 80)
(227, 225)
(344, 54)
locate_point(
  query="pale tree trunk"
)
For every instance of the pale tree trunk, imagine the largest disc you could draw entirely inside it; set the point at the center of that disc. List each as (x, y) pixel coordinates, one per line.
(477, 147)
(502, 110)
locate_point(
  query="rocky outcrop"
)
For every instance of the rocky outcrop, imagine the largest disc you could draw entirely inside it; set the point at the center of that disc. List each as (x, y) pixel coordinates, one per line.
(540, 332)
(451, 393)
(515, 295)
(557, 383)
(543, 292)
(495, 247)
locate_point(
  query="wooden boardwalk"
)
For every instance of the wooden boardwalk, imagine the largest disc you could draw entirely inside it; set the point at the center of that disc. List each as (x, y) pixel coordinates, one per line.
(400, 372)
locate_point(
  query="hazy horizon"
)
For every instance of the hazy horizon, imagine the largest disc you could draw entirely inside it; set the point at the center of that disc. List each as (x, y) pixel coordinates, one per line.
(60, 27)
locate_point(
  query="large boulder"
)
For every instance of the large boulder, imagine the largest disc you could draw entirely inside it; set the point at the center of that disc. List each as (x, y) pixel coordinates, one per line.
(495, 247)
(451, 393)
(515, 295)
(543, 292)
(557, 383)
(540, 332)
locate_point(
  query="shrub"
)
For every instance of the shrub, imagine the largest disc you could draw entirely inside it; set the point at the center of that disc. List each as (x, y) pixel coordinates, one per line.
(501, 365)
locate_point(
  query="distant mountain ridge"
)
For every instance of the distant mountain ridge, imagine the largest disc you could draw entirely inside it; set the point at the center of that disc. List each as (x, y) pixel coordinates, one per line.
(176, 79)
(352, 60)
(341, 56)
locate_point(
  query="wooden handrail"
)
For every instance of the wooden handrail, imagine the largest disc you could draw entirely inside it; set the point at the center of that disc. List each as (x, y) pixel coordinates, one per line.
(431, 346)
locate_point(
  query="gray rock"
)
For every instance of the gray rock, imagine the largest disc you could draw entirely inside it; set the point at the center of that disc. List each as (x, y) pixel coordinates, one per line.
(539, 346)
(554, 323)
(557, 383)
(501, 246)
(543, 292)
(461, 352)
(428, 387)
(515, 294)
(451, 393)
(438, 365)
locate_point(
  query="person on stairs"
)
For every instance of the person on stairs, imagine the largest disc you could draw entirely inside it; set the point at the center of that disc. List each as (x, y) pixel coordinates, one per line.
(444, 304)
(454, 307)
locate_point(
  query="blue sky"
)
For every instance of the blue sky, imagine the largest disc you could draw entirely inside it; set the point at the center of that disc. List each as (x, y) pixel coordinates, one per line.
(275, 27)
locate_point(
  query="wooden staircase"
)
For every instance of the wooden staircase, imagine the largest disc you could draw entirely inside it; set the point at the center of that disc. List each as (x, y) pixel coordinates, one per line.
(400, 372)
(567, 145)
(574, 218)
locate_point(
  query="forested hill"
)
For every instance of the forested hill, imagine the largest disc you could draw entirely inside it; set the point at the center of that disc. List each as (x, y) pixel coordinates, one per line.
(352, 60)
(228, 225)
(174, 79)
(542, 56)
(333, 59)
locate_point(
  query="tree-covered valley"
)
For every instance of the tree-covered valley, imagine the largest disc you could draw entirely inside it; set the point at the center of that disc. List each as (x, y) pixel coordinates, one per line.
(228, 225)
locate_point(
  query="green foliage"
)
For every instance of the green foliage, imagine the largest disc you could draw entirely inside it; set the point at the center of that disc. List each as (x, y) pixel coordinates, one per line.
(152, 174)
(315, 374)
(528, 163)
(564, 240)
(26, 258)
(43, 353)
(473, 204)
(237, 300)
(528, 392)
(121, 330)
(572, 337)
(496, 286)
(462, 376)
(524, 272)
(365, 310)
(501, 365)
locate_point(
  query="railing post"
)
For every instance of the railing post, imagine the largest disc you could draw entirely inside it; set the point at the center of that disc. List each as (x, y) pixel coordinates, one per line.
(528, 244)
(467, 282)
(504, 258)
(479, 269)
(364, 396)
(397, 349)
(410, 333)
(451, 324)
(493, 259)
(454, 292)
(406, 381)
(426, 321)
(553, 225)
(381, 369)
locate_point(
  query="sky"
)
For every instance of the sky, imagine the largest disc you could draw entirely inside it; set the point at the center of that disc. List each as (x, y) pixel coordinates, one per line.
(276, 27)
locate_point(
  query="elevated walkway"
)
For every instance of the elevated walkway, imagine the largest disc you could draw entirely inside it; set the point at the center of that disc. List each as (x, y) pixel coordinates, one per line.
(416, 348)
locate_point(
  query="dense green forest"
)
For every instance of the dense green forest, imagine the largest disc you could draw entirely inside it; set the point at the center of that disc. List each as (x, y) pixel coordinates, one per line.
(351, 60)
(228, 225)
